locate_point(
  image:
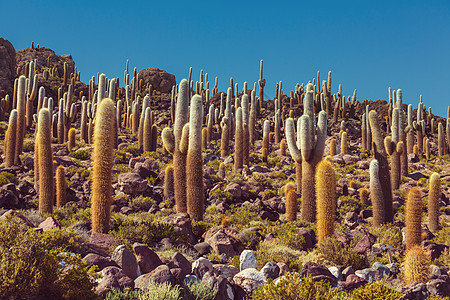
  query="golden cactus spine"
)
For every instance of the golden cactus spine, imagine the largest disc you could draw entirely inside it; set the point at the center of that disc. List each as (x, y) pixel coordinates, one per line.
(44, 139)
(283, 147)
(416, 265)
(10, 139)
(364, 196)
(102, 166)
(168, 181)
(21, 114)
(413, 218)
(434, 199)
(221, 171)
(194, 163)
(376, 194)
(71, 140)
(291, 205)
(326, 199)
(60, 186)
(333, 147)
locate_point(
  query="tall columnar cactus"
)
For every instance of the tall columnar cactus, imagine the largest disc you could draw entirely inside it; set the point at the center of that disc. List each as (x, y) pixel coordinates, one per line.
(326, 199)
(363, 132)
(344, 143)
(21, 111)
(102, 166)
(84, 120)
(333, 147)
(145, 104)
(434, 200)
(413, 218)
(194, 164)
(147, 130)
(261, 83)
(416, 265)
(245, 130)
(168, 181)
(266, 134)
(179, 156)
(394, 150)
(210, 124)
(441, 140)
(44, 140)
(427, 148)
(239, 140)
(447, 129)
(60, 186)
(291, 205)
(225, 139)
(252, 118)
(71, 141)
(383, 173)
(10, 139)
(32, 93)
(376, 194)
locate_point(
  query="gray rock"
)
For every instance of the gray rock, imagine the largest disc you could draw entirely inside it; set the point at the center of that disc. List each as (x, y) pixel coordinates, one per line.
(347, 271)
(270, 270)
(367, 273)
(125, 259)
(112, 277)
(438, 287)
(247, 260)
(249, 279)
(415, 291)
(336, 273)
(201, 266)
(131, 183)
(161, 274)
(219, 285)
(381, 270)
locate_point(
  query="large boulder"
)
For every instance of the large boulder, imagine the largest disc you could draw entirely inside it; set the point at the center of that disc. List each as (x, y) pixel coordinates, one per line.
(224, 240)
(159, 79)
(7, 67)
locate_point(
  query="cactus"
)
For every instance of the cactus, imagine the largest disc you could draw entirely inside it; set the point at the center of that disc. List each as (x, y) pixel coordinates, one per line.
(283, 147)
(265, 154)
(416, 265)
(333, 147)
(245, 129)
(21, 110)
(10, 139)
(261, 83)
(60, 186)
(344, 144)
(447, 129)
(194, 171)
(179, 156)
(364, 196)
(221, 171)
(363, 132)
(427, 148)
(239, 139)
(413, 218)
(84, 120)
(102, 166)
(204, 138)
(147, 131)
(326, 199)
(168, 181)
(291, 205)
(210, 124)
(376, 194)
(225, 139)
(44, 140)
(383, 170)
(434, 199)
(441, 140)
(394, 151)
(145, 105)
(71, 141)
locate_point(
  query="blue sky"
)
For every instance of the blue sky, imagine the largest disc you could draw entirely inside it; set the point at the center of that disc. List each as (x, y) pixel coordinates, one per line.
(368, 45)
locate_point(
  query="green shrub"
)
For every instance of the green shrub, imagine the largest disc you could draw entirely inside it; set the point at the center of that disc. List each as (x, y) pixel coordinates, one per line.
(375, 291)
(200, 227)
(80, 154)
(349, 204)
(6, 177)
(35, 265)
(126, 293)
(161, 291)
(287, 233)
(277, 252)
(142, 203)
(197, 291)
(341, 254)
(388, 234)
(120, 157)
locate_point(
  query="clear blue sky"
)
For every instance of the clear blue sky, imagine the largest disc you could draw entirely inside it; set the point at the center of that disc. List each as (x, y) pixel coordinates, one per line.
(368, 45)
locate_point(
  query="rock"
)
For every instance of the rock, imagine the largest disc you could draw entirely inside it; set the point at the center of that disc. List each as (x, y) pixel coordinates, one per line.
(434, 249)
(336, 273)
(260, 169)
(234, 189)
(125, 259)
(270, 270)
(8, 199)
(365, 213)
(416, 175)
(181, 262)
(283, 268)
(143, 172)
(134, 160)
(146, 258)
(415, 291)
(112, 277)
(21, 218)
(25, 188)
(64, 161)
(177, 275)
(367, 273)
(7, 67)
(181, 223)
(100, 243)
(347, 271)
(131, 183)
(381, 271)
(191, 279)
(203, 248)
(363, 245)
(227, 271)
(363, 164)
(413, 158)
(352, 282)
(438, 287)
(318, 272)
(201, 266)
(223, 240)
(159, 79)
(393, 269)
(50, 223)
(102, 262)
(350, 159)
(435, 272)
(269, 215)
(249, 279)
(220, 285)
(247, 260)
(160, 274)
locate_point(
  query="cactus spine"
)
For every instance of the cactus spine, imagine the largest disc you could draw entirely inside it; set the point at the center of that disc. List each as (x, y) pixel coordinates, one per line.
(434, 199)
(416, 265)
(60, 186)
(10, 140)
(194, 164)
(291, 205)
(383, 170)
(413, 218)
(44, 140)
(326, 199)
(102, 166)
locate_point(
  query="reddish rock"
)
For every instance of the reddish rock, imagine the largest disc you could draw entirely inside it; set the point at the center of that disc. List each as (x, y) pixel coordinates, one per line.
(352, 282)
(161, 274)
(22, 218)
(125, 259)
(100, 243)
(182, 223)
(181, 262)
(363, 245)
(147, 259)
(159, 79)
(223, 240)
(131, 183)
(112, 277)
(318, 272)
(102, 262)
(50, 223)
(7, 67)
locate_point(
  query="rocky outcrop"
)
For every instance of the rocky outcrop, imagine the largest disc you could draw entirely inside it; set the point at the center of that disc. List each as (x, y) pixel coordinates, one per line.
(159, 79)
(7, 67)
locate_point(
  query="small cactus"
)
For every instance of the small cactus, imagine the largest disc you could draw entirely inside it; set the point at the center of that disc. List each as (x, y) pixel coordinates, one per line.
(60, 186)
(168, 181)
(221, 171)
(333, 147)
(434, 199)
(326, 199)
(416, 265)
(71, 140)
(291, 205)
(283, 147)
(364, 196)
(413, 218)
(344, 144)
